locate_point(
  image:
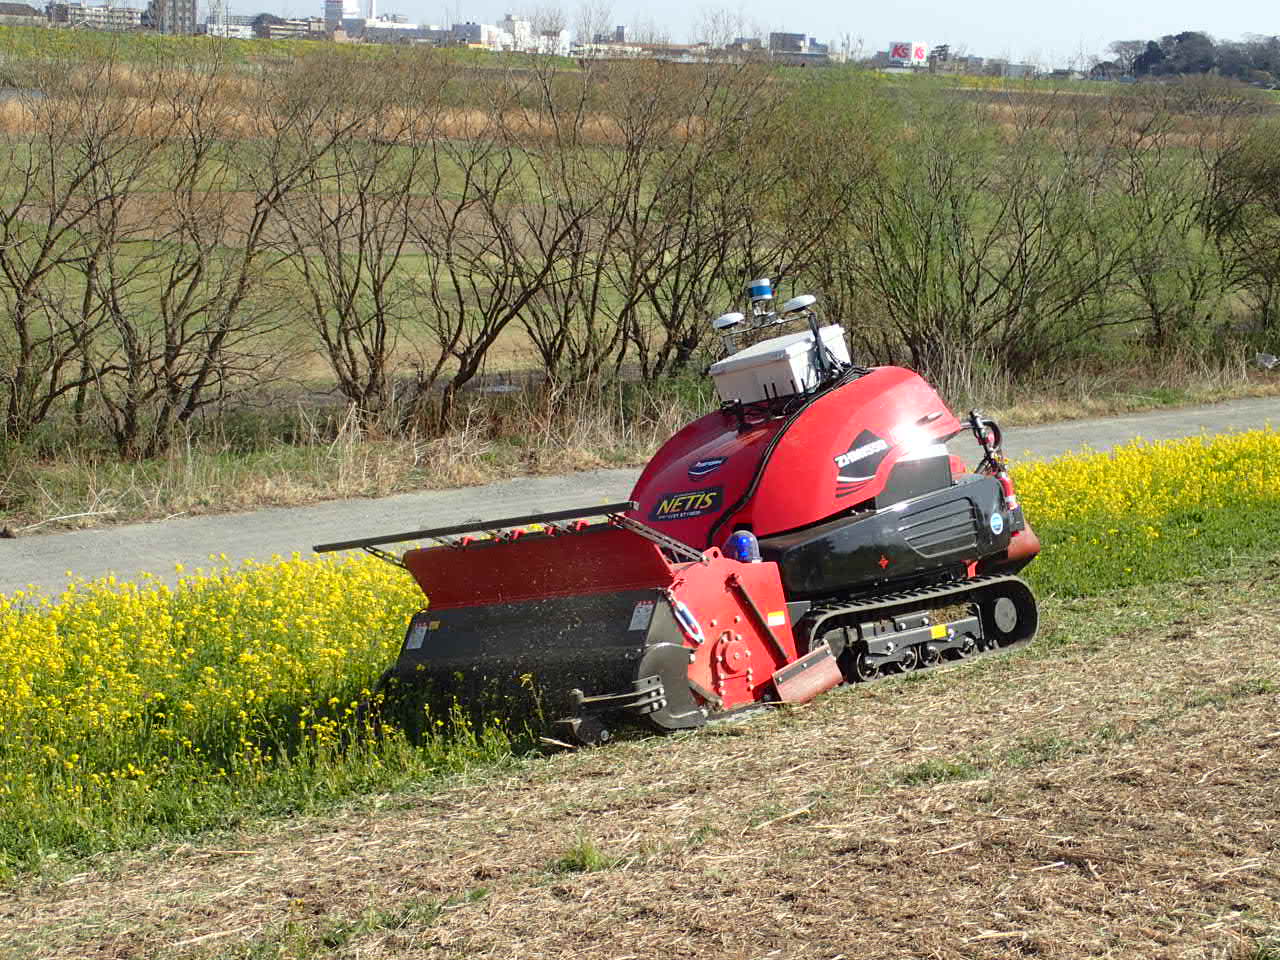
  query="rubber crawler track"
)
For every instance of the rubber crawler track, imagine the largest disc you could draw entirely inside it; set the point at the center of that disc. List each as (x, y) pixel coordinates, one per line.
(826, 616)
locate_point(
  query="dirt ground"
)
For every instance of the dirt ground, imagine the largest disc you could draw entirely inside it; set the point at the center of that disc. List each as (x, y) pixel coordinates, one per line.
(1111, 791)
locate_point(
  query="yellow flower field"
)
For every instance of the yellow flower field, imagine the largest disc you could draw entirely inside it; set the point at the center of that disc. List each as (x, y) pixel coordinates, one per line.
(128, 710)
(1151, 512)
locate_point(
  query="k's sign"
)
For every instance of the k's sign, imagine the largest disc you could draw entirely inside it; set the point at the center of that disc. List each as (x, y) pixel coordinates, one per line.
(905, 52)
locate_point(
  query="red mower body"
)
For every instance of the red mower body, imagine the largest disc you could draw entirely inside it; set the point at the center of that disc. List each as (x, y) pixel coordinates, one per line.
(863, 526)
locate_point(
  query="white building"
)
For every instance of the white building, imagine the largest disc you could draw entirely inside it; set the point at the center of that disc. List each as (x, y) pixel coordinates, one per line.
(232, 27)
(606, 51)
(336, 11)
(394, 29)
(520, 32)
(172, 17)
(482, 35)
(98, 17)
(553, 43)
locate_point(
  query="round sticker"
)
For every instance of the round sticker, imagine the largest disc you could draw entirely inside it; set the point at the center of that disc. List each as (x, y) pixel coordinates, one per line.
(997, 524)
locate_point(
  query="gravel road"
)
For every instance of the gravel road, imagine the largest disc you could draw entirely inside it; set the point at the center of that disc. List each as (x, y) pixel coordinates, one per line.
(126, 550)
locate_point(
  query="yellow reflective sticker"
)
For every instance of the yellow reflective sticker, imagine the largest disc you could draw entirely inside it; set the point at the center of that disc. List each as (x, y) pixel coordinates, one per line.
(938, 631)
(776, 618)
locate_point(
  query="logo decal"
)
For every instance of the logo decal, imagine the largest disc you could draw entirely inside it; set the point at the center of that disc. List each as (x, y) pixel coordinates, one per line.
(687, 504)
(702, 468)
(860, 462)
(997, 524)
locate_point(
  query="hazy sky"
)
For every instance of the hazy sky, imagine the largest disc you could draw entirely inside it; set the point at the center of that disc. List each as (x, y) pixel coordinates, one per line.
(1049, 33)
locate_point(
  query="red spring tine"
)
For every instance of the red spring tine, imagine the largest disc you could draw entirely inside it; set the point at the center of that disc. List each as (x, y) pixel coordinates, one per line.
(465, 541)
(580, 525)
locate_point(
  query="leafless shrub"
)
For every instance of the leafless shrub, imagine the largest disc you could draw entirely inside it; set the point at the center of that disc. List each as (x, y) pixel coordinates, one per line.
(190, 295)
(350, 224)
(56, 180)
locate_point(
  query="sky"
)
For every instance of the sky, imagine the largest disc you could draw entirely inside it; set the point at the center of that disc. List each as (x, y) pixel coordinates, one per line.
(1051, 34)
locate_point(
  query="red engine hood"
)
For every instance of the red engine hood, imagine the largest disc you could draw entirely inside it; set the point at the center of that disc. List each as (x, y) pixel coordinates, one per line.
(791, 472)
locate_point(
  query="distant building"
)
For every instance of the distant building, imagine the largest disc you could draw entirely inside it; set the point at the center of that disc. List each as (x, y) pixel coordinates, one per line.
(942, 60)
(436, 35)
(481, 35)
(603, 50)
(1013, 71)
(21, 15)
(909, 53)
(234, 27)
(395, 28)
(519, 32)
(553, 43)
(174, 17)
(336, 11)
(97, 17)
(788, 43)
(297, 28)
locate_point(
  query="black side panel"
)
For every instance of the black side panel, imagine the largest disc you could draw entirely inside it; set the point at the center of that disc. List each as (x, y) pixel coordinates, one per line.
(536, 652)
(914, 478)
(939, 530)
(942, 529)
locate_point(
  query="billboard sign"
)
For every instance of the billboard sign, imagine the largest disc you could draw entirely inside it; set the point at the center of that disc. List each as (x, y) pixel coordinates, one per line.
(909, 53)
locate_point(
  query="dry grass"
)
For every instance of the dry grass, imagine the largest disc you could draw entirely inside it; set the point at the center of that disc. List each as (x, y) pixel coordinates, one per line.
(1079, 395)
(518, 434)
(1109, 793)
(241, 117)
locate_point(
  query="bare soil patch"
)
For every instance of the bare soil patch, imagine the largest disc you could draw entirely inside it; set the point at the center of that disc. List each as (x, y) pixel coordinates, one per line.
(1108, 792)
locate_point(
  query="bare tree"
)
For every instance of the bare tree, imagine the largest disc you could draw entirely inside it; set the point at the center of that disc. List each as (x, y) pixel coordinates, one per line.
(350, 223)
(193, 300)
(67, 170)
(968, 249)
(718, 27)
(1245, 224)
(1126, 52)
(594, 18)
(502, 226)
(691, 205)
(573, 321)
(1175, 159)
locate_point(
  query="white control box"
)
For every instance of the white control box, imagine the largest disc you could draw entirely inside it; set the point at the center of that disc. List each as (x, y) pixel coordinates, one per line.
(778, 367)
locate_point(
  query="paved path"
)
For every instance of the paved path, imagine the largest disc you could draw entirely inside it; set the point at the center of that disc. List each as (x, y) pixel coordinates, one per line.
(156, 547)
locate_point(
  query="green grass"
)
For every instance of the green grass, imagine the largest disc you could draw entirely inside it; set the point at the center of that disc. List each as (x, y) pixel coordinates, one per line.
(583, 857)
(42, 830)
(298, 940)
(937, 771)
(22, 43)
(1034, 750)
